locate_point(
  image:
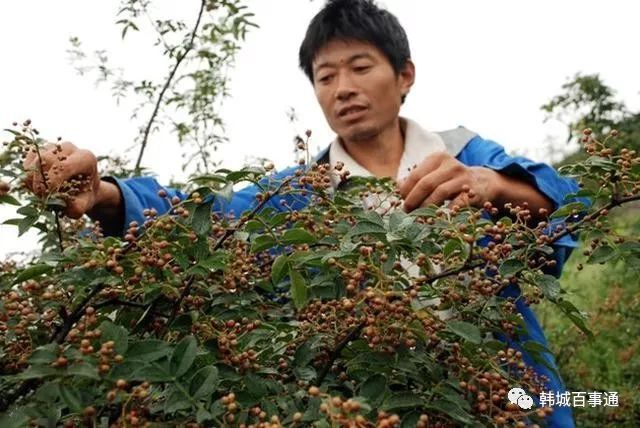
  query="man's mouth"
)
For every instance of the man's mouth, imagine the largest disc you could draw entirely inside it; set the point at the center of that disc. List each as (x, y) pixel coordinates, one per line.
(350, 111)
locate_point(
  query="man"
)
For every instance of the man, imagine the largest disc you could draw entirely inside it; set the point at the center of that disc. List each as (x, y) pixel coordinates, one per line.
(357, 58)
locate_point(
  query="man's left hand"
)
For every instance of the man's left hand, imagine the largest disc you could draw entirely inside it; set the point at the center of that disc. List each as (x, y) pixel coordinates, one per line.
(442, 177)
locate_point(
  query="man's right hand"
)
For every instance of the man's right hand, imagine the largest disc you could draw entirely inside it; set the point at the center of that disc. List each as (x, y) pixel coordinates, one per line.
(66, 166)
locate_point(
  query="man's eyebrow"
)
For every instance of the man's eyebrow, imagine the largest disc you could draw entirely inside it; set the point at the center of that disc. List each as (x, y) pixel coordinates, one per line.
(351, 59)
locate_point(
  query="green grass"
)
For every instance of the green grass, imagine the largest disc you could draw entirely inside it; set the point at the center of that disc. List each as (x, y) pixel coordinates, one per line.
(610, 297)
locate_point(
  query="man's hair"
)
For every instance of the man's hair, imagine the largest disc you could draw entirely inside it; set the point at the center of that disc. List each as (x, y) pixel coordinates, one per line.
(360, 20)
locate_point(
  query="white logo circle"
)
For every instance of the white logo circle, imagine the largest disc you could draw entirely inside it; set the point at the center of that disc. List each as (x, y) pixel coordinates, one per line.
(519, 397)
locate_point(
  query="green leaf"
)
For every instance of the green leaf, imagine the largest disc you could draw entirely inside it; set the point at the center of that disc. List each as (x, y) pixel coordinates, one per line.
(601, 255)
(183, 356)
(305, 352)
(176, 400)
(410, 420)
(549, 285)
(566, 210)
(118, 334)
(14, 419)
(153, 372)
(217, 261)
(451, 246)
(297, 236)
(147, 350)
(44, 354)
(366, 228)
(374, 389)
(71, 398)
(201, 220)
(32, 272)
(574, 315)
(465, 330)
(298, 288)
(279, 268)
(204, 382)
(7, 199)
(403, 400)
(83, 370)
(510, 267)
(202, 415)
(262, 242)
(37, 372)
(255, 385)
(26, 223)
(452, 410)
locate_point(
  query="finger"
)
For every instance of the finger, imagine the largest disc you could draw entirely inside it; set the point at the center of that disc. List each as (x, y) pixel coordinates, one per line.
(428, 165)
(40, 161)
(78, 205)
(461, 201)
(448, 190)
(427, 185)
(80, 162)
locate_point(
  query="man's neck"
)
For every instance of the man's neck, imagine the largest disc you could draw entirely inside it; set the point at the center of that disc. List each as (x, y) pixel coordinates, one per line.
(380, 155)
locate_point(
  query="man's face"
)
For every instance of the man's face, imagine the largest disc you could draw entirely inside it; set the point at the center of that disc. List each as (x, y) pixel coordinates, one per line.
(357, 88)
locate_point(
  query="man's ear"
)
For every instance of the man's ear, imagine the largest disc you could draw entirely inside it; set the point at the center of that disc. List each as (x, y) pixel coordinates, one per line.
(407, 77)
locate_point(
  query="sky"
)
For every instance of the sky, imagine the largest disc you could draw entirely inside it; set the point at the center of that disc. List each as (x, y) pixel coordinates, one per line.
(486, 65)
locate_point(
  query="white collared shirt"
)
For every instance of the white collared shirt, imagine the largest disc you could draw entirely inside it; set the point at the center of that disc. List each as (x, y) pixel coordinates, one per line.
(418, 144)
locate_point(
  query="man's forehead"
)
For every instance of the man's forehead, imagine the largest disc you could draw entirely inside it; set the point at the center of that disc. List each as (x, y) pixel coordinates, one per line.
(341, 51)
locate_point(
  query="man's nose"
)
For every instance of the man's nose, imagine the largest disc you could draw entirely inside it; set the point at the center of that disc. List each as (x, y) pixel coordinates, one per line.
(346, 88)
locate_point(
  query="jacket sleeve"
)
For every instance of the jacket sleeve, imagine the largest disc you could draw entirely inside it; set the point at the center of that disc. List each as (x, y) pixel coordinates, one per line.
(139, 193)
(487, 153)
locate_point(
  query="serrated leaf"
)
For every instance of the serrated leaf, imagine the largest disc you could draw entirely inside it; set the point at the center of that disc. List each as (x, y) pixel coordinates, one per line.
(83, 370)
(374, 389)
(465, 330)
(201, 220)
(262, 242)
(299, 290)
(451, 246)
(279, 268)
(403, 400)
(601, 255)
(117, 333)
(255, 385)
(154, 372)
(452, 410)
(147, 350)
(511, 267)
(176, 400)
(44, 354)
(183, 356)
(549, 285)
(297, 236)
(32, 272)
(71, 398)
(37, 372)
(204, 382)
(574, 315)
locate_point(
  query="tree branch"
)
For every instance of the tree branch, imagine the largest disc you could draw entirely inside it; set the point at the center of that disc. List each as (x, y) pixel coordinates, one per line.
(166, 86)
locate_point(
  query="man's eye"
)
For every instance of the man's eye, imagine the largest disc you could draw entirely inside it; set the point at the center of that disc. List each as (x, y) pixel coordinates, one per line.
(325, 79)
(361, 68)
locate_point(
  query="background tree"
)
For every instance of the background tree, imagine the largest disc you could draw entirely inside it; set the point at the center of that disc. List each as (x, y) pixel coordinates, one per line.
(608, 293)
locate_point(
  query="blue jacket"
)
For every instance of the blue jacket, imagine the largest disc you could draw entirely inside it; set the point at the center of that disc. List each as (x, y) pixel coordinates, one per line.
(142, 192)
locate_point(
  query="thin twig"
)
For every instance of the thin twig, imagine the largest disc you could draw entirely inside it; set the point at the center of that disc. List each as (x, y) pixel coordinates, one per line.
(166, 86)
(230, 231)
(353, 334)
